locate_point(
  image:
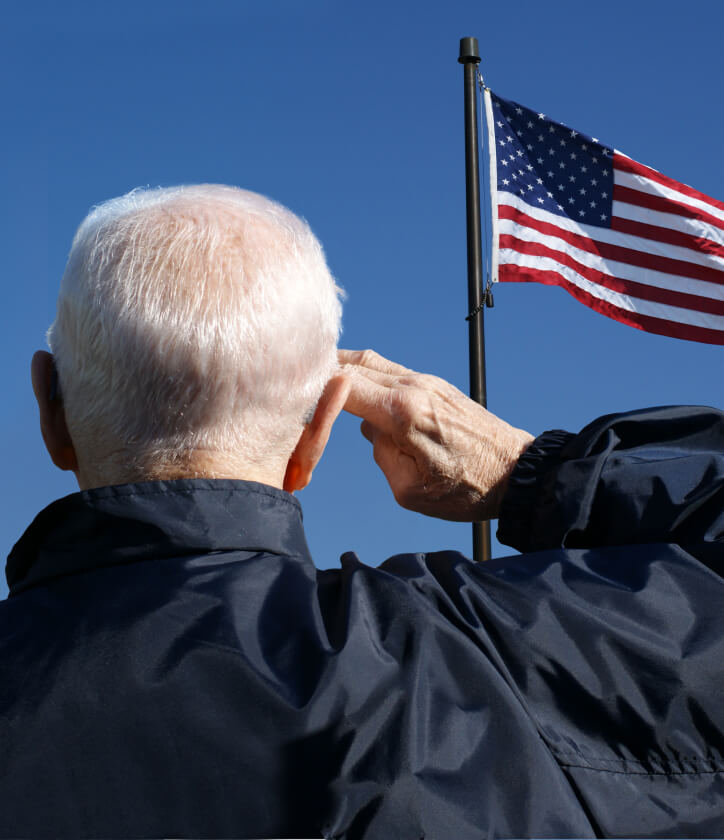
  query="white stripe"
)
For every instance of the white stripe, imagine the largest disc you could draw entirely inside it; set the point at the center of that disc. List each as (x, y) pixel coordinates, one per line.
(694, 227)
(612, 237)
(613, 268)
(626, 302)
(645, 185)
(493, 184)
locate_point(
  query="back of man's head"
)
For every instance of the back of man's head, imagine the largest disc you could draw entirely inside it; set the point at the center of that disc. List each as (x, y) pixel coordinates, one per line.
(191, 319)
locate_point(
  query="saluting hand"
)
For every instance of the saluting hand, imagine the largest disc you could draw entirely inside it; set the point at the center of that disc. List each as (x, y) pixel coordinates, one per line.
(442, 453)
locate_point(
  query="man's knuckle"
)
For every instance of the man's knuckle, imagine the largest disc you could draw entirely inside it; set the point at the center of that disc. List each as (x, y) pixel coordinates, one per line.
(368, 357)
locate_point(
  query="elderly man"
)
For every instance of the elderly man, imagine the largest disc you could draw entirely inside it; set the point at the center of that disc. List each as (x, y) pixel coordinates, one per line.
(174, 665)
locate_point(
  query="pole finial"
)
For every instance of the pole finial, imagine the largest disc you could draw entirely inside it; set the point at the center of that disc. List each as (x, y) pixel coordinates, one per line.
(469, 51)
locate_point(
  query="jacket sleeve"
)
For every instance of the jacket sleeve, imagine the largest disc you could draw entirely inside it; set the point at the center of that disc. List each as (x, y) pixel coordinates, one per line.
(655, 475)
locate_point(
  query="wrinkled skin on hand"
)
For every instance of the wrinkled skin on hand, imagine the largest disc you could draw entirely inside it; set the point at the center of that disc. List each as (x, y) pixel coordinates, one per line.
(442, 453)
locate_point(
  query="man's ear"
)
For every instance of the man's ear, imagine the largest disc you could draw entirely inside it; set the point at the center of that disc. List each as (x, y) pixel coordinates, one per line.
(313, 440)
(52, 415)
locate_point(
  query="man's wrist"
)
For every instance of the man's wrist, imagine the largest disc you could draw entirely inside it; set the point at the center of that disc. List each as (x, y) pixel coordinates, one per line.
(521, 502)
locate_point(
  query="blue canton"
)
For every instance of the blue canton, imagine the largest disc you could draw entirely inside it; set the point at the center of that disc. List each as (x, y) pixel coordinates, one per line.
(551, 166)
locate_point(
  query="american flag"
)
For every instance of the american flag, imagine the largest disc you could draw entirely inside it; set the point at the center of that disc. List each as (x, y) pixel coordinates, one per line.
(622, 238)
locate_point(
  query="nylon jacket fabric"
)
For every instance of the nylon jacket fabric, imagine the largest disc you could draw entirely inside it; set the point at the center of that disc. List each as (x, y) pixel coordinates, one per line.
(174, 665)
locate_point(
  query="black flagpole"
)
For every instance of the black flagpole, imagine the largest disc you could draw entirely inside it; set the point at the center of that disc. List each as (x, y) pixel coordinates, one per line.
(470, 58)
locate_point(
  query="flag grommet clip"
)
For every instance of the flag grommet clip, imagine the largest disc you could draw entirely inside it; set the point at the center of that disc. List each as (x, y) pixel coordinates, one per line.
(478, 308)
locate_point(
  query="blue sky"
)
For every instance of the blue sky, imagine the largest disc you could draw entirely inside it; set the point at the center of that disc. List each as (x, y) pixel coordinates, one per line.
(350, 114)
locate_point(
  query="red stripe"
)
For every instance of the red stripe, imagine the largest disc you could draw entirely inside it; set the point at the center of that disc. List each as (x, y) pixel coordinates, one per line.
(643, 291)
(663, 205)
(673, 329)
(671, 237)
(625, 164)
(667, 265)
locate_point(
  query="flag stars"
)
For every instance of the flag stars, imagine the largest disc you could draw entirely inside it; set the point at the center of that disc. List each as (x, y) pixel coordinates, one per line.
(551, 166)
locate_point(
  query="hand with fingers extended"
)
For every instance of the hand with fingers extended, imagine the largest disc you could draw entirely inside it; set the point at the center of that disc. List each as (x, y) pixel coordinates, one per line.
(442, 453)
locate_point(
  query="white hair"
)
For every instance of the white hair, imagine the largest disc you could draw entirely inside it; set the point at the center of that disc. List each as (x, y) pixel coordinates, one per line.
(192, 318)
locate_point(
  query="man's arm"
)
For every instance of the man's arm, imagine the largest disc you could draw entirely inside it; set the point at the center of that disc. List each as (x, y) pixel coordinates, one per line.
(655, 475)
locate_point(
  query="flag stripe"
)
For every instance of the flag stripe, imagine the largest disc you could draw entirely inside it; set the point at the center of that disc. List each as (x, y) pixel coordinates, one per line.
(618, 299)
(663, 205)
(686, 285)
(666, 220)
(680, 268)
(636, 182)
(605, 234)
(661, 326)
(625, 164)
(632, 288)
(612, 237)
(667, 235)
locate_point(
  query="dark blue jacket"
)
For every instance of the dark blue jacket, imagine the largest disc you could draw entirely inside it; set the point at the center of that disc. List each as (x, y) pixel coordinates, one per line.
(172, 663)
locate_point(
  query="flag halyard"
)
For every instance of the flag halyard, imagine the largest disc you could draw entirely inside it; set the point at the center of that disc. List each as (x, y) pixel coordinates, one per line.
(621, 237)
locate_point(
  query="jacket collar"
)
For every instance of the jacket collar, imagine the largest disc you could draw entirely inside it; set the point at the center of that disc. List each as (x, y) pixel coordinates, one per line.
(130, 522)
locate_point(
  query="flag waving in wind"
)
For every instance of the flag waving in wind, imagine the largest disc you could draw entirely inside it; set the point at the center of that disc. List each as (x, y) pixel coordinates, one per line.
(620, 237)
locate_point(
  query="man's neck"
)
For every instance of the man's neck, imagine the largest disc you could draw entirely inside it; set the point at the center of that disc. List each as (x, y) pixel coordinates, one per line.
(200, 463)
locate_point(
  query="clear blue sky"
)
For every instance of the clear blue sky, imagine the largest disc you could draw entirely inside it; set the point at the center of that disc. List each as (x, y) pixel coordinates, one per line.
(351, 114)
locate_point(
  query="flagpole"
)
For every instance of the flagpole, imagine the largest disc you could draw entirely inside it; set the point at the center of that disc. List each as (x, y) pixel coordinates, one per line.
(470, 58)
